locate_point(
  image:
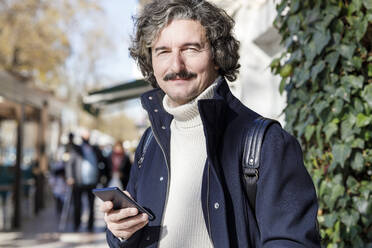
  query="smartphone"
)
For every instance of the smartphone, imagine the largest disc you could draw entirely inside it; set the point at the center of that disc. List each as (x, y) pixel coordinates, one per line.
(119, 199)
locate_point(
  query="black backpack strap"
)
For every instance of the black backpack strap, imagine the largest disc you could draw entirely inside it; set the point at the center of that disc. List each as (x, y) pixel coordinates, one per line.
(145, 146)
(251, 156)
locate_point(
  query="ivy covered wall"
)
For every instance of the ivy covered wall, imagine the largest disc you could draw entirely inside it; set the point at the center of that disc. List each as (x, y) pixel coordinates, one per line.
(326, 71)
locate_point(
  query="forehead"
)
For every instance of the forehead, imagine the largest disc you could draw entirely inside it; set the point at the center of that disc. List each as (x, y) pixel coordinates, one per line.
(180, 31)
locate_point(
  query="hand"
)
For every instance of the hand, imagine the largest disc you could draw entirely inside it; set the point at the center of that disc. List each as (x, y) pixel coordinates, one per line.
(123, 223)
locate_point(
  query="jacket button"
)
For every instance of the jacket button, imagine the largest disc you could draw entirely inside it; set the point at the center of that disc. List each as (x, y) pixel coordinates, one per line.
(156, 110)
(161, 179)
(163, 127)
(148, 238)
(216, 205)
(150, 97)
(251, 161)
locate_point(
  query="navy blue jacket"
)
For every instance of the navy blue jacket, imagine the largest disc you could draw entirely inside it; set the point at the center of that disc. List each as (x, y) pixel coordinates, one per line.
(286, 203)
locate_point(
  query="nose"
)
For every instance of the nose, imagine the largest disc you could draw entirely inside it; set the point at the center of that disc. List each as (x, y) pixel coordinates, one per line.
(178, 62)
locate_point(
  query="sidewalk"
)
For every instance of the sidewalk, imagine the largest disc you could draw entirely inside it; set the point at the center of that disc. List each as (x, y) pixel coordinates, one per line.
(42, 231)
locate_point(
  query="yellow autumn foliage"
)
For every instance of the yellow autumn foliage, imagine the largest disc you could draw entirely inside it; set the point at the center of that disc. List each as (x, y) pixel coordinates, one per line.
(34, 41)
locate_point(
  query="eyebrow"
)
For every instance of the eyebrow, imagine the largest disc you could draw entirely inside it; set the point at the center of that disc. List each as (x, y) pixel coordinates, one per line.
(160, 48)
(195, 44)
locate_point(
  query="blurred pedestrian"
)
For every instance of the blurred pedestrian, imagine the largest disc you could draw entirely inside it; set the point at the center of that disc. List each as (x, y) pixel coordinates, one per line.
(83, 175)
(57, 180)
(119, 166)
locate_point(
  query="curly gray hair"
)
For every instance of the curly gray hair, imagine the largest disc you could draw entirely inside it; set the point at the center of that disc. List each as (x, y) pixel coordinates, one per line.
(217, 23)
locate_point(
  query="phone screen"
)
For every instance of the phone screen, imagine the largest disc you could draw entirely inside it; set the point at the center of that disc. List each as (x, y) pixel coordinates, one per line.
(119, 199)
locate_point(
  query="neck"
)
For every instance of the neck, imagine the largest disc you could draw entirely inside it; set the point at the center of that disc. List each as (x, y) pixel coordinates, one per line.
(187, 115)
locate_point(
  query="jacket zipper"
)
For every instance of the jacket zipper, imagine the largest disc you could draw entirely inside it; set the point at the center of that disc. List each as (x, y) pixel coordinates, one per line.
(208, 215)
(166, 163)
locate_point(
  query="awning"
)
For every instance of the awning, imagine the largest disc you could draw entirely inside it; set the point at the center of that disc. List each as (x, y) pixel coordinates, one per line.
(95, 100)
(23, 93)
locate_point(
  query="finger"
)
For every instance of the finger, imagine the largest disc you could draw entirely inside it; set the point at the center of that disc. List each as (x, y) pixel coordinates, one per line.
(127, 233)
(127, 193)
(118, 215)
(129, 223)
(106, 206)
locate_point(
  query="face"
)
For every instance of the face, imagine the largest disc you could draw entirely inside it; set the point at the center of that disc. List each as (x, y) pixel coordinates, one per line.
(118, 148)
(85, 135)
(182, 61)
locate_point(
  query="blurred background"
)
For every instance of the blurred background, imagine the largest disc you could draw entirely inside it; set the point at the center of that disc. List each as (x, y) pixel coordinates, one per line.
(65, 71)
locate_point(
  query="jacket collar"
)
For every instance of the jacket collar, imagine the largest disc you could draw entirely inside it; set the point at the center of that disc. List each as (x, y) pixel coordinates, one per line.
(212, 111)
(153, 99)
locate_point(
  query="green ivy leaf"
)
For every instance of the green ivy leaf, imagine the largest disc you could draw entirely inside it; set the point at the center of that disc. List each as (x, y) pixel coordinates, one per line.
(347, 51)
(343, 93)
(358, 105)
(310, 51)
(367, 4)
(369, 66)
(286, 71)
(282, 85)
(362, 206)
(357, 62)
(295, 56)
(347, 127)
(330, 219)
(349, 219)
(361, 28)
(340, 153)
(331, 13)
(330, 129)
(321, 39)
(280, 7)
(355, 82)
(293, 23)
(295, 5)
(363, 120)
(319, 67)
(312, 15)
(323, 189)
(300, 76)
(339, 27)
(332, 59)
(367, 94)
(358, 162)
(337, 191)
(275, 64)
(320, 106)
(334, 78)
(336, 38)
(358, 143)
(352, 184)
(309, 131)
(337, 106)
(354, 6)
(337, 179)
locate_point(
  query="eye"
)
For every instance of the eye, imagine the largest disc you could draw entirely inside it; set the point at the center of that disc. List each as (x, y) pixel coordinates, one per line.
(191, 50)
(162, 52)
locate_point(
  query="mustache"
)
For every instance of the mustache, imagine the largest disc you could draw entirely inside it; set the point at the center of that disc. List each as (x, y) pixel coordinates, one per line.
(184, 74)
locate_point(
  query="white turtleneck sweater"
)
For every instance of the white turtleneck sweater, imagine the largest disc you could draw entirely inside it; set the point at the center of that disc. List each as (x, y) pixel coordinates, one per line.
(183, 224)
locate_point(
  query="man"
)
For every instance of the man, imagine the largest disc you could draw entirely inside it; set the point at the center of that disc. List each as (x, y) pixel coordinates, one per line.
(82, 173)
(119, 166)
(190, 176)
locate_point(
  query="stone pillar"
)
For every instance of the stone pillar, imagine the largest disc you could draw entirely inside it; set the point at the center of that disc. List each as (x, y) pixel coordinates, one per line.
(17, 186)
